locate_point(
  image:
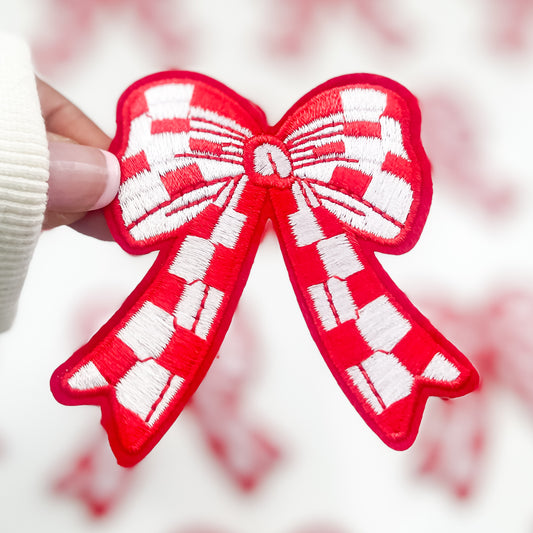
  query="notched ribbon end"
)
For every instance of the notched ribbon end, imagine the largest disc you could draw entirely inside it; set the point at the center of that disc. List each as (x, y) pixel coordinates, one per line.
(130, 438)
(393, 404)
(76, 387)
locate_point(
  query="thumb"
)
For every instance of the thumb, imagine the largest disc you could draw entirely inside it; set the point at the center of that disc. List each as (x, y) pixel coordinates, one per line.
(82, 178)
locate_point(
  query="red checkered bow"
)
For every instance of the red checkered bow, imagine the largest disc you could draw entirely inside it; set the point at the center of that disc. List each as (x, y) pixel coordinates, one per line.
(69, 27)
(242, 447)
(509, 21)
(498, 337)
(451, 135)
(318, 528)
(343, 174)
(295, 22)
(95, 479)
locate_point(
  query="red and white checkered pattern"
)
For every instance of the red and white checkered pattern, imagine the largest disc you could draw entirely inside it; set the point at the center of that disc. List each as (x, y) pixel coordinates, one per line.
(245, 450)
(295, 23)
(498, 337)
(343, 174)
(319, 527)
(67, 28)
(510, 21)
(452, 134)
(95, 479)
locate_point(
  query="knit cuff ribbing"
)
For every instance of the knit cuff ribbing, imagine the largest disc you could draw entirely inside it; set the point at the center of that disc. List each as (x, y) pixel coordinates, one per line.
(23, 171)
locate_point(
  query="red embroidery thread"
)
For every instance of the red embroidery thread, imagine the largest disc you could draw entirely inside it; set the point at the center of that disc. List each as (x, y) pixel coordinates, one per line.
(145, 363)
(499, 339)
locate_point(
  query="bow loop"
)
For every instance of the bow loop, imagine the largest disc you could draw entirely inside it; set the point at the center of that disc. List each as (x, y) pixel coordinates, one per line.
(179, 157)
(358, 161)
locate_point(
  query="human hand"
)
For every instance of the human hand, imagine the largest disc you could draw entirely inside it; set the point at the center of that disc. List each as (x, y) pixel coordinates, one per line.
(84, 177)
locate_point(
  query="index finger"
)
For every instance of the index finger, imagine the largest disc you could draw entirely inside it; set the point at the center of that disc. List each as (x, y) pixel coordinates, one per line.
(62, 117)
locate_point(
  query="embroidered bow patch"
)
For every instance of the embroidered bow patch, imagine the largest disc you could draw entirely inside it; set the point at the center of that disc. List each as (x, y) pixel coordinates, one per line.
(341, 176)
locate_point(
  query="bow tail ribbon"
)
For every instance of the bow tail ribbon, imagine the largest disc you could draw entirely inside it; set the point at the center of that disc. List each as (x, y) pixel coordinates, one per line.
(95, 479)
(130, 367)
(384, 354)
(244, 450)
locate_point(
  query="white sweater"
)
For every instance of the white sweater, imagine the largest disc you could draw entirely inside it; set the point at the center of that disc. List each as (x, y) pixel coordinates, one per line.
(23, 171)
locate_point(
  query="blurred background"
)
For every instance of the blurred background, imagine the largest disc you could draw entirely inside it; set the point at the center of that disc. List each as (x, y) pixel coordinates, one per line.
(270, 444)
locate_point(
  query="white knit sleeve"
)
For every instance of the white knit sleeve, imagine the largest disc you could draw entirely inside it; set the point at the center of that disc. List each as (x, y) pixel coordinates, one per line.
(23, 171)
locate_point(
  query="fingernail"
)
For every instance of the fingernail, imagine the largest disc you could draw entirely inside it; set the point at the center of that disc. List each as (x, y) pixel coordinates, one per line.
(113, 180)
(82, 178)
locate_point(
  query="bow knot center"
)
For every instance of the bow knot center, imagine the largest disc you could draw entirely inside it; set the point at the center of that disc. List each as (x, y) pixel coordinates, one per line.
(268, 162)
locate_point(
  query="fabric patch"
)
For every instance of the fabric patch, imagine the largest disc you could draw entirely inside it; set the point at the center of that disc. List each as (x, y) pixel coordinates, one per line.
(497, 334)
(245, 450)
(342, 175)
(94, 478)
